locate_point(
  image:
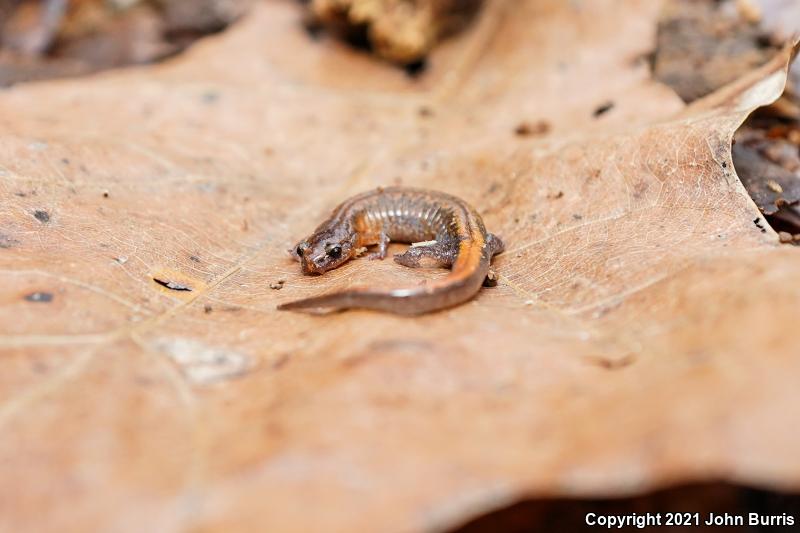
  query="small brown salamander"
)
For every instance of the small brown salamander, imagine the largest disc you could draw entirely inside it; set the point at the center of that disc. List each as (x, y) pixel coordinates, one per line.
(447, 232)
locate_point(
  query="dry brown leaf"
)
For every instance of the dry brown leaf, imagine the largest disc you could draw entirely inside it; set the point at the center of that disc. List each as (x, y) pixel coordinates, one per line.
(637, 337)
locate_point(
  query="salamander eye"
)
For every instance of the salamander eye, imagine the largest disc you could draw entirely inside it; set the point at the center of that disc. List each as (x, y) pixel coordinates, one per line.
(334, 251)
(299, 251)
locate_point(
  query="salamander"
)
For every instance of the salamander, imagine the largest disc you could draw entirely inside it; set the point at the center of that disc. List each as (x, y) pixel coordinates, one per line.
(444, 231)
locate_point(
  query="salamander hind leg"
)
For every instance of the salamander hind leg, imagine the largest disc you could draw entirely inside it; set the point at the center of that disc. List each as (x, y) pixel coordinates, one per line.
(431, 256)
(495, 243)
(496, 246)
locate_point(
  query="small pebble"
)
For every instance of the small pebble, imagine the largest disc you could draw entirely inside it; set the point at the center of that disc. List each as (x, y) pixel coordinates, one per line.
(785, 236)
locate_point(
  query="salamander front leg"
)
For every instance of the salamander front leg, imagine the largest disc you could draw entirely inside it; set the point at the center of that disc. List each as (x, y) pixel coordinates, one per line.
(432, 256)
(383, 244)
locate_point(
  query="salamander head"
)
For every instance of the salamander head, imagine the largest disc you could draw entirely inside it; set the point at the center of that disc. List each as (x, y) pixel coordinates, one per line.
(325, 250)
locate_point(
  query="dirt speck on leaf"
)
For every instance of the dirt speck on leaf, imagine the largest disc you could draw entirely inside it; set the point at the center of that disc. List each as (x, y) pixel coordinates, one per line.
(602, 109)
(525, 129)
(42, 216)
(39, 297)
(6, 241)
(172, 285)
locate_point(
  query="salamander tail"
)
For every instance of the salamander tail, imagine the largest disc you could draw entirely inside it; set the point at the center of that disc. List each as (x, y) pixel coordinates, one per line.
(333, 301)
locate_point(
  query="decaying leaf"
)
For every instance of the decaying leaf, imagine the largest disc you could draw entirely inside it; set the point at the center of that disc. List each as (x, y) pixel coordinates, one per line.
(769, 169)
(397, 30)
(703, 45)
(43, 39)
(637, 335)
